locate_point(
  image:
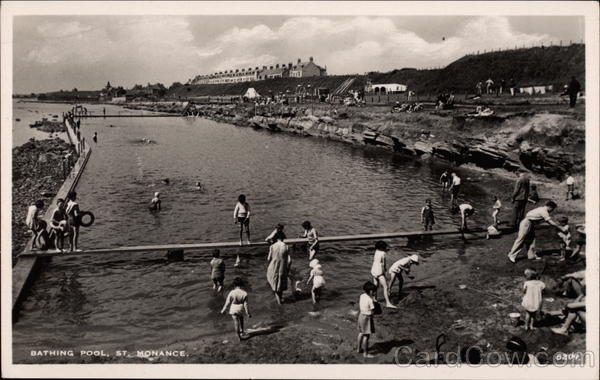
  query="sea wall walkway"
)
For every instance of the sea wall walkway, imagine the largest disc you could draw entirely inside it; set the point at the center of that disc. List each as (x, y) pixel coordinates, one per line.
(27, 264)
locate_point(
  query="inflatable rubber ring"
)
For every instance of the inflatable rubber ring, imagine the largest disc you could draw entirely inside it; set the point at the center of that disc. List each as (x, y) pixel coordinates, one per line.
(80, 218)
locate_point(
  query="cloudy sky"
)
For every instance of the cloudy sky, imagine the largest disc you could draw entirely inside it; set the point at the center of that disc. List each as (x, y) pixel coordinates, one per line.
(63, 52)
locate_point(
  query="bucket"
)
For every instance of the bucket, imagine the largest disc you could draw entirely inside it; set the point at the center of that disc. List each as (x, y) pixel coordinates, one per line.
(515, 318)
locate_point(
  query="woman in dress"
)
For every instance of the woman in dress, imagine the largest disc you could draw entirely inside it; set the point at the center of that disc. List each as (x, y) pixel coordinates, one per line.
(277, 272)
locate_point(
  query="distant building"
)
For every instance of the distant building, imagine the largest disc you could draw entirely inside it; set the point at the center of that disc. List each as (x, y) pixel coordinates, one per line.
(307, 69)
(300, 70)
(383, 88)
(272, 72)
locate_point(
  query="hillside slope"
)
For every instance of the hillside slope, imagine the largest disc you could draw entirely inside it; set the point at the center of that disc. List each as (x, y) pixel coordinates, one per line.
(552, 65)
(265, 87)
(534, 66)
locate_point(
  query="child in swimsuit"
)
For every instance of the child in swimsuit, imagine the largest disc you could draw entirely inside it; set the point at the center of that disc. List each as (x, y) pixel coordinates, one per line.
(241, 214)
(427, 217)
(316, 275)
(313, 239)
(72, 211)
(237, 302)
(155, 202)
(217, 274)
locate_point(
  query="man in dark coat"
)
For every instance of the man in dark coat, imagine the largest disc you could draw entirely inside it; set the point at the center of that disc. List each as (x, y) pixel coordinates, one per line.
(519, 198)
(573, 91)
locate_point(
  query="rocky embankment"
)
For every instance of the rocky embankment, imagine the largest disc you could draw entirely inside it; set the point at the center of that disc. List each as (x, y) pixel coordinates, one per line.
(50, 126)
(541, 141)
(38, 173)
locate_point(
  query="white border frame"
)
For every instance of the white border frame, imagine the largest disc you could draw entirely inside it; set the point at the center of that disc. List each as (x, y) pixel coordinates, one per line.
(587, 9)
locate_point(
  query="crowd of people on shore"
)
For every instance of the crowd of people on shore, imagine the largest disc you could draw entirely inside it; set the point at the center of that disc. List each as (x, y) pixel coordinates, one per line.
(489, 87)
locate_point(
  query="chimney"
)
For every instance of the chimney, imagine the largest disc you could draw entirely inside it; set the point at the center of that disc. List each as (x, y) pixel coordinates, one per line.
(290, 65)
(311, 59)
(277, 65)
(299, 60)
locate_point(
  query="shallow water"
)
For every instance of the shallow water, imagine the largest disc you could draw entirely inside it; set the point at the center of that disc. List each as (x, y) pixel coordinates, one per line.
(142, 301)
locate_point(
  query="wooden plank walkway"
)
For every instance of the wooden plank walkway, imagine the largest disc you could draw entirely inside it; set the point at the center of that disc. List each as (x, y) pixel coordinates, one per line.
(133, 115)
(24, 269)
(199, 246)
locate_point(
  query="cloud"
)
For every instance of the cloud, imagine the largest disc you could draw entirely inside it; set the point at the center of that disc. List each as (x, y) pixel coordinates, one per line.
(57, 29)
(141, 49)
(360, 44)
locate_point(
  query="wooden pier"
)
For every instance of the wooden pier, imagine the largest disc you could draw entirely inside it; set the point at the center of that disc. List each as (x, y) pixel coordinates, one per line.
(24, 270)
(222, 245)
(130, 115)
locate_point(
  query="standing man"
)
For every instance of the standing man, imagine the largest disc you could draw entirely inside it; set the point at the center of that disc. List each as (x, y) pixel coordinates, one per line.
(479, 88)
(570, 185)
(489, 85)
(519, 198)
(573, 91)
(512, 85)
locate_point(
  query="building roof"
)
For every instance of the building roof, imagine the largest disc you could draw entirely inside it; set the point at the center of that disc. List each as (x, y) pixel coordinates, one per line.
(274, 71)
(302, 65)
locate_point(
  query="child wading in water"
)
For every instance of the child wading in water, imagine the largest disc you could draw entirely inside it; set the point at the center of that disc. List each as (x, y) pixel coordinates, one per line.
(238, 299)
(241, 215)
(217, 274)
(313, 239)
(366, 326)
(532, 300)
(427, 217)
(445, 180)
(316, 275)
(378, 271)
(155, 203)
(402, 265)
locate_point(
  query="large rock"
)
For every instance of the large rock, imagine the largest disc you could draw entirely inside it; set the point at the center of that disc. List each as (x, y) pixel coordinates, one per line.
(449, 151)
(552, 163)
(421, 147)
(486, 156)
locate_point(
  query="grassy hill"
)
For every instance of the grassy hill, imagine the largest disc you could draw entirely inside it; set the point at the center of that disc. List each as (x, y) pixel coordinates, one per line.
(534, 66)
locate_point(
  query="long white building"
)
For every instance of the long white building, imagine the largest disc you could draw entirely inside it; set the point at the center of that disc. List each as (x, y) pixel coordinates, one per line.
(299, 70)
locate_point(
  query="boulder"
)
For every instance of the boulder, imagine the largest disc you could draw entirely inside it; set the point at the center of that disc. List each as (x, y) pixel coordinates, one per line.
(447, 151)
(422, 148)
